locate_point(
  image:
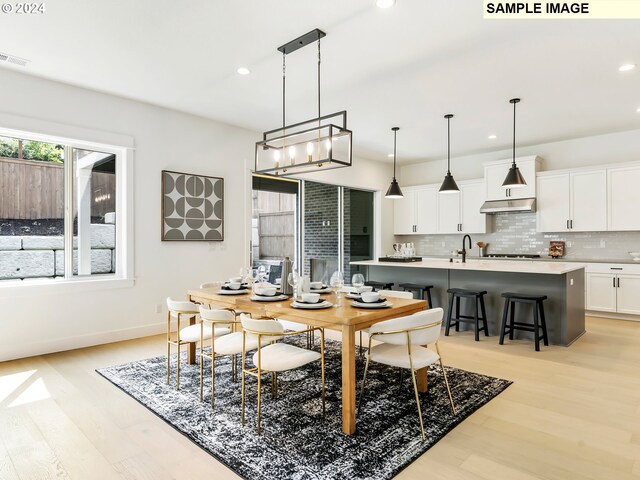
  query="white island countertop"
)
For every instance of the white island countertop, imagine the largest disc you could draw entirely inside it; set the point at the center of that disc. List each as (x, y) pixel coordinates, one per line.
(515, 266)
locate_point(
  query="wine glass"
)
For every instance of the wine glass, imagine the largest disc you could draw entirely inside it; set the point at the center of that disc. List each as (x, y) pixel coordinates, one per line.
(337, 283)
(293, 279)
(357, 281)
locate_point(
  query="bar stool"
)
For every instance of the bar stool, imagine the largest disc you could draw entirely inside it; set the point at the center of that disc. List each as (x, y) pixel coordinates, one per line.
(379, 285)
(539, 322)
(478, 299)
(420, 289)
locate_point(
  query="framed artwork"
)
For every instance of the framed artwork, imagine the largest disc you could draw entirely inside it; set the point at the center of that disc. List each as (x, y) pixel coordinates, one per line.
(192, 207)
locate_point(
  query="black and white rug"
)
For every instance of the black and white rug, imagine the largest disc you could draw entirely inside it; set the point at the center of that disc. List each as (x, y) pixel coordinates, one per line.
(296, 443)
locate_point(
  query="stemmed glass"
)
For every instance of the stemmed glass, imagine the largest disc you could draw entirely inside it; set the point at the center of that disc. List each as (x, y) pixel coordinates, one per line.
(337, 283)
(294, 279)
(357, 281)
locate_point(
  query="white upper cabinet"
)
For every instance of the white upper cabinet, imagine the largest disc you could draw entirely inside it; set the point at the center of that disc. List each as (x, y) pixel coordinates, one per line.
(552, 203)
(426, 207)
(449, 212)
(472, 197)
(404, 213)
(415, 213)
(574, 201)
(624, 198)
(588, 201)
(495, 173)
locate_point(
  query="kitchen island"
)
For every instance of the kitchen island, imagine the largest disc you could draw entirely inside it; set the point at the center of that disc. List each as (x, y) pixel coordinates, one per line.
(561, 282)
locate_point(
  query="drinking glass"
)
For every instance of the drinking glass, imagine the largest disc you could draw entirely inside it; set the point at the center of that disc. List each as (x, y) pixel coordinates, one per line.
(357, 281)
(293, 279)
(337, 283)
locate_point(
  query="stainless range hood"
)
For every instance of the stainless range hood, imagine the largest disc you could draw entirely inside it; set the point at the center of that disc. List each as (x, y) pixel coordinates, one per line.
(518, 205)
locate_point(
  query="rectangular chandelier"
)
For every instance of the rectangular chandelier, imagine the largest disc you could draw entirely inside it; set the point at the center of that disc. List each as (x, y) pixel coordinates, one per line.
(320, 143)
(317, 144)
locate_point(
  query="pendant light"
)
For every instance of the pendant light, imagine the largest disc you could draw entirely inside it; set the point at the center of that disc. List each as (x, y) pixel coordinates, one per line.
(449, 185)
(394, 189)
(514, 178)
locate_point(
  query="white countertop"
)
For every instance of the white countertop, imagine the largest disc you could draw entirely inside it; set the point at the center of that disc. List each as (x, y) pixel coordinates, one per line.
(515, 266)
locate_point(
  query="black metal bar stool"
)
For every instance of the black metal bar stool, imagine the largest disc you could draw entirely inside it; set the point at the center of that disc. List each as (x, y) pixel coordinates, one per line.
(539, 322)
(421, 290)
(478, 301)
(379, 285)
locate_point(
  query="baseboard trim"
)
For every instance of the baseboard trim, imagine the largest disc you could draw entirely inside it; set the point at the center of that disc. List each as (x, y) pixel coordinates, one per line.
(81, 341)
(614, 316)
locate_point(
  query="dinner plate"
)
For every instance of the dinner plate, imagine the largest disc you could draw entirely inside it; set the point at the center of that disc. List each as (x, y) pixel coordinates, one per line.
(233, 292)
(371, 305)
(320, 290)
(311, 306)
(264, 298)
(353, 296)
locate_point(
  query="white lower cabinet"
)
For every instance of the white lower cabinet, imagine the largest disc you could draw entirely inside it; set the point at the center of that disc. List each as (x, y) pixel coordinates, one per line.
(613, 288)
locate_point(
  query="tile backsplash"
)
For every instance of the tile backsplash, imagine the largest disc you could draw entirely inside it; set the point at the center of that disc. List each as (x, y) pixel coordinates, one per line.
(516, 233)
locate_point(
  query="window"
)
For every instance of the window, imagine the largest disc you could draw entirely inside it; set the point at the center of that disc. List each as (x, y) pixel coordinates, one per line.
(59, 209)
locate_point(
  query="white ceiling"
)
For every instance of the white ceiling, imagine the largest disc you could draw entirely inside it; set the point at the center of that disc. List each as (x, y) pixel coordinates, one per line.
(405, 66)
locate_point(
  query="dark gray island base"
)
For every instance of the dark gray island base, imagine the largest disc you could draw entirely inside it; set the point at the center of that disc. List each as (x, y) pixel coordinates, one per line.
(564, 308)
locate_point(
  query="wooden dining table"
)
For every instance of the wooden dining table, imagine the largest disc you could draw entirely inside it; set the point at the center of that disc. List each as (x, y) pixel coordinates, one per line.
(342, 317)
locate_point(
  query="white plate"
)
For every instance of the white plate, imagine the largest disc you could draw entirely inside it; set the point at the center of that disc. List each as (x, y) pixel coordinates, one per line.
(353, 296)
(371, 305)
(312, 306)
(233, 292)
(262, 298)
(320, 290)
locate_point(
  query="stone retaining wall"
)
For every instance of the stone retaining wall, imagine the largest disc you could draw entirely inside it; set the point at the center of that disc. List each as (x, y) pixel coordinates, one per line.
(43, 257)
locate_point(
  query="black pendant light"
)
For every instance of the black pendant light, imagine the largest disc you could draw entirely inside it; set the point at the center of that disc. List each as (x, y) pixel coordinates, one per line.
(394, 189)
(449, 185)
(514, 178)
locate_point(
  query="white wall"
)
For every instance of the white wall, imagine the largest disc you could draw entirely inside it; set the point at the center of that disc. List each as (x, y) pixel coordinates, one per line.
(164, 139)
(578, 152)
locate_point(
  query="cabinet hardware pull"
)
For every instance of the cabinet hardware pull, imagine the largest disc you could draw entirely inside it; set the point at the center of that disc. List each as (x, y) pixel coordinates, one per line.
(618, 282)
(571, 224)
(614, 282)
(615, 268)
(567, 224)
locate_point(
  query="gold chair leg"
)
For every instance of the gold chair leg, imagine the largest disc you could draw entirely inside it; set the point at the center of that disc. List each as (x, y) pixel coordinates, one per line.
(242, 388)
(360, 349)
(446, 381)
(364, 379)
(259, 390)
(168, 347)
(213, 371)
(415, 389)
(273, 385)
(322, 372)
(178, 371)
(201, 358)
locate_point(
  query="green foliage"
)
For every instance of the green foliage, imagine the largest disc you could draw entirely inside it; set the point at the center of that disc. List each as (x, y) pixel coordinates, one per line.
(8, 147)
(31, 150)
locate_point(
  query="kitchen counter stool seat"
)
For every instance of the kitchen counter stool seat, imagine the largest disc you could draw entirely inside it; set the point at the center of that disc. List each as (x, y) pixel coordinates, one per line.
(509, 325)
(421, 289)
(479, 311)
(379, 285)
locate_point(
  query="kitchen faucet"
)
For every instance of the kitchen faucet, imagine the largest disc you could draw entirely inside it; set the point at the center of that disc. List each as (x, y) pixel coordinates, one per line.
(463, 251)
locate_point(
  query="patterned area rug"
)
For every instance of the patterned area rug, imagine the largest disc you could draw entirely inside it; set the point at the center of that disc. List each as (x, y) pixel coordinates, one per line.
(296, 443)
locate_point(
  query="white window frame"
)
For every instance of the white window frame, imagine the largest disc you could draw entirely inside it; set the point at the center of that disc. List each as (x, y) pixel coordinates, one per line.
(81, 138)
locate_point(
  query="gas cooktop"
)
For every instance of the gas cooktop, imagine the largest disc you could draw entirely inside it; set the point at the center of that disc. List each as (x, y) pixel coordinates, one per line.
(513, 255)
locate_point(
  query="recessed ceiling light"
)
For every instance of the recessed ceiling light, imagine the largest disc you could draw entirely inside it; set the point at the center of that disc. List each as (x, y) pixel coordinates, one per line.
(390, 155)
(638, 110)
(492, 137)
(243, 71)
(627, 66)
(385, 3)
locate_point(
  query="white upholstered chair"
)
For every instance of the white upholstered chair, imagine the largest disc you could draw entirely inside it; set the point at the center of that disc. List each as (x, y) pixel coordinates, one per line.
(402, 346)
(277, 357)
(386, 294)
(182, 310)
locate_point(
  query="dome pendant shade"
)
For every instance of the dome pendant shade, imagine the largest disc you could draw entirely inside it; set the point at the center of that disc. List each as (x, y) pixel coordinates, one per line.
(394, 190)
(514, 178)
(449, 185)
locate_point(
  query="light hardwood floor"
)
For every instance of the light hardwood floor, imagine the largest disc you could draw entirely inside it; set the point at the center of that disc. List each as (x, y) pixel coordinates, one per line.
(572, 413)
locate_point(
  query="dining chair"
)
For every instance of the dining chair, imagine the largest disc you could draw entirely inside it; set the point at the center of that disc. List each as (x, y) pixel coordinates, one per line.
(276, 357)
(180, 310)
(228, 344)
(221, 322)
(387, 294)
(402, 346)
